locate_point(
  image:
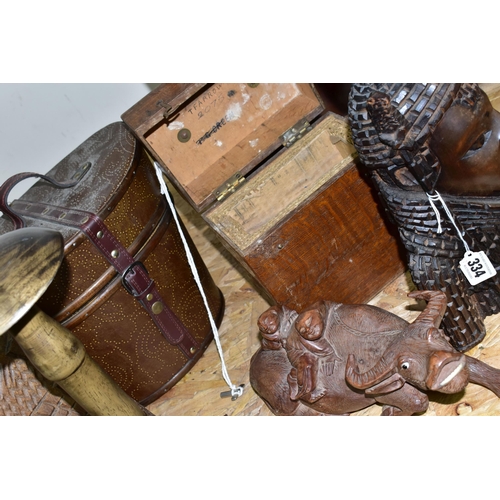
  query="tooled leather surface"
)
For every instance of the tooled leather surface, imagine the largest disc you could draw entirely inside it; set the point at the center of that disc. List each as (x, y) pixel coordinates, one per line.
(139, 210)
(111, 152)
(117, 332)
(133, 351)
(135, 276)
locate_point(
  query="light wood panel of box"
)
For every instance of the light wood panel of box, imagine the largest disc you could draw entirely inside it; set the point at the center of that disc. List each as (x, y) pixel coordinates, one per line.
(265, 200)
(227, 130)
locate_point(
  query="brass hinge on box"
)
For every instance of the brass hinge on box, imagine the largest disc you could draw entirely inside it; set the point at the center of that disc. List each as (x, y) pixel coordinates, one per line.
(230, 186)
(295, 133)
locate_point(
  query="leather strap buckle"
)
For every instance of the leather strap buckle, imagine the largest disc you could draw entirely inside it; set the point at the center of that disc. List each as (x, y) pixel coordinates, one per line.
(126, 284)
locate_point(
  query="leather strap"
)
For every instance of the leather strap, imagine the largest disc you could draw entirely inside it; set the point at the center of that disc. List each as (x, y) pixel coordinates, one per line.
(7, 186)
(135, 277)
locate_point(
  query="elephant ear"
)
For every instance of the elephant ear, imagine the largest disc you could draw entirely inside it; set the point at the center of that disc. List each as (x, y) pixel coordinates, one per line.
(391, 384)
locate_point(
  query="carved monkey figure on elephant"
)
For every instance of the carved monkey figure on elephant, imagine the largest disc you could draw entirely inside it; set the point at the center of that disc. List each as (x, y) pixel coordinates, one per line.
(334, 359)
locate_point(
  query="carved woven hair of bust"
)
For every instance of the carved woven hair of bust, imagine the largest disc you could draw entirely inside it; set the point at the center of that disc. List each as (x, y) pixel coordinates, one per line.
(392, 126)
(392, 123)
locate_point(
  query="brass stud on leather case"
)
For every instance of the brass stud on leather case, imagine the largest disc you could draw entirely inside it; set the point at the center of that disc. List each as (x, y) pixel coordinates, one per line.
(157, 308)
(115, 253)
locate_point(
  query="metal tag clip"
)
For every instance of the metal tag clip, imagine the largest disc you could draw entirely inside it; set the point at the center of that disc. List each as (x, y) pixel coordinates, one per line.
(228, 394)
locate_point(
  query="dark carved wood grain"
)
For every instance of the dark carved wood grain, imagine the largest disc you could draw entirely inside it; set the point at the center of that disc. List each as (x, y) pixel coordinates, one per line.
(300, 262)
(420, 139)
(334, 359)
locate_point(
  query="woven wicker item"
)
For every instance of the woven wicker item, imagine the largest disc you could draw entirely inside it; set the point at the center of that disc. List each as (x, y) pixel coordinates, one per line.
(25, 393)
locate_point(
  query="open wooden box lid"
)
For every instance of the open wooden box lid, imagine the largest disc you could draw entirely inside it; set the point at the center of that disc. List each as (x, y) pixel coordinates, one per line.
(205, 135)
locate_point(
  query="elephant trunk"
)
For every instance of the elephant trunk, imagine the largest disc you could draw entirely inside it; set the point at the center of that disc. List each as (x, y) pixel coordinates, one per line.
(447, 372)
(382, 370)
(435, 309)
(482, 374)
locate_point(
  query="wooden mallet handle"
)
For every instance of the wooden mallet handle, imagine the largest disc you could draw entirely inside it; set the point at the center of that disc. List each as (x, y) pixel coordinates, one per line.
(60, 357)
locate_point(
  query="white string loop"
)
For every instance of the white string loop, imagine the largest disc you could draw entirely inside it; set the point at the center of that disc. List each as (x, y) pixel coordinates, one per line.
(437, 197)
(432, 199)
(236, 391)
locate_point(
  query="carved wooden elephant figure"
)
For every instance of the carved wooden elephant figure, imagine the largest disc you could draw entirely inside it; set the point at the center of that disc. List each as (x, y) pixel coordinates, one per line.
(334, 359)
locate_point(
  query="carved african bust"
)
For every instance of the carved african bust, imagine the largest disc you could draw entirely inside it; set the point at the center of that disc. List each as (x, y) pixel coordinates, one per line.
(429, 139)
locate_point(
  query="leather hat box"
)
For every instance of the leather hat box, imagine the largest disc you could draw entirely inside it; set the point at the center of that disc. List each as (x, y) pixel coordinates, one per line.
(125, 287)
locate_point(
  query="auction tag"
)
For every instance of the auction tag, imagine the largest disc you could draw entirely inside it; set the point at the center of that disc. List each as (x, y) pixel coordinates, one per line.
(477, 267)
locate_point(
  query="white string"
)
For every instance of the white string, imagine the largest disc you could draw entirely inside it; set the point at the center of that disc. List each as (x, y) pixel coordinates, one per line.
(432, 199)
(235, 391)
(437, 197)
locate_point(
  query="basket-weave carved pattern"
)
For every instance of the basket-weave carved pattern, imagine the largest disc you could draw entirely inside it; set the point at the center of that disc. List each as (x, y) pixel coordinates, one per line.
(404, 166)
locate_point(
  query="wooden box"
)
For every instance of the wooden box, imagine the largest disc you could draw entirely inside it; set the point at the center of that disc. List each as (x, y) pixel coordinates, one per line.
(275, 176)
